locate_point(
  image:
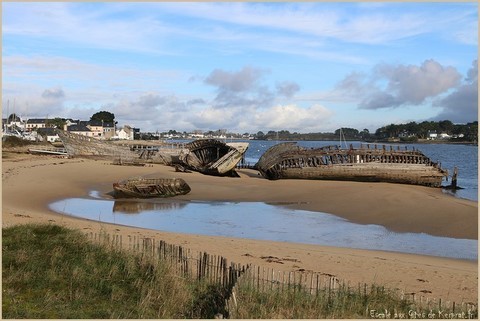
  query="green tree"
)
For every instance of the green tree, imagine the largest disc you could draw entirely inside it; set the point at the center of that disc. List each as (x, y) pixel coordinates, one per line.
(446, 126)
(106, 116)
(472, 132)
(348, 132)
(56, 122)
(365, 133)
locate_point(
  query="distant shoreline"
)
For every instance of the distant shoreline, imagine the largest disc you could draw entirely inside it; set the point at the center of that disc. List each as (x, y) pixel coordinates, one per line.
(426, 141)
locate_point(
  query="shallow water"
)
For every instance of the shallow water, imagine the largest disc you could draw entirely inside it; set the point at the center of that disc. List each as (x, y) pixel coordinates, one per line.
(256, 220)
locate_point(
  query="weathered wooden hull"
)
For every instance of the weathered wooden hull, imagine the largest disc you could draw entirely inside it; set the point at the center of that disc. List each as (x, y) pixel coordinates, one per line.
(285, 161)
(372, 172)
(82, 146)
(212, 157)
(207, 156)
(150, 187)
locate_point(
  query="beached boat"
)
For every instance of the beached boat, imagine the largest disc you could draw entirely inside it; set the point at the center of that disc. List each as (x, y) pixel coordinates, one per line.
(367, 164)
(150, 187)
(207, 156)
(213, 157)
(77, 145)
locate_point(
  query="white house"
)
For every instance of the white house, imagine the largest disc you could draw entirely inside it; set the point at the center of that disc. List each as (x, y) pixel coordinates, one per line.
(125, 133)
(35, 123)
(48, 134)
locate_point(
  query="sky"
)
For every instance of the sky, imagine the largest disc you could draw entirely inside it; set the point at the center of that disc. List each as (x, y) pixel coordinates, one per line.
(242, 66)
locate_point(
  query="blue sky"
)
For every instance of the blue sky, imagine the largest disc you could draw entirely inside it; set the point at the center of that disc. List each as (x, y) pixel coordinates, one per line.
(245, 67)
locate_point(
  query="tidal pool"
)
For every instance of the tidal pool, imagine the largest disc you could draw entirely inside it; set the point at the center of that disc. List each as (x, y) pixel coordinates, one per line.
(256, 220)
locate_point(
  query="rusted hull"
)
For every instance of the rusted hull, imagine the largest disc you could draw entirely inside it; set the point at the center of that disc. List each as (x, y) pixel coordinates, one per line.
(150, 188)
(286, 161)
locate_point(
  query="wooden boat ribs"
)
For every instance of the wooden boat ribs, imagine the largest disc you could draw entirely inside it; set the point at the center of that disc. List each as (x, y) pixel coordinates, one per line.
(213, 157)
(207, 156)
(287, 160)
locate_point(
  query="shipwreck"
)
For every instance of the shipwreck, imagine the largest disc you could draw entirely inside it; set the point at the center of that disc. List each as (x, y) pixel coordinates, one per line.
(207, 156)
(150, 187)
(366, 164)
(212, 157)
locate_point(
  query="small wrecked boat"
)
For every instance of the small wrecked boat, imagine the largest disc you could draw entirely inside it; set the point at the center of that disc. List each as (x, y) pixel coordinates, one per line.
(213, 157)
(365, 164)
(150, 187)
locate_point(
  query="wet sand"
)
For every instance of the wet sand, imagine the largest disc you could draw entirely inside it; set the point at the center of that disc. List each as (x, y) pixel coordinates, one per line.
(30, 183)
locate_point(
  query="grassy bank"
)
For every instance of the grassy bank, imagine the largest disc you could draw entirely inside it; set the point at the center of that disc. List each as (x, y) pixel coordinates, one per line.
(53, 272)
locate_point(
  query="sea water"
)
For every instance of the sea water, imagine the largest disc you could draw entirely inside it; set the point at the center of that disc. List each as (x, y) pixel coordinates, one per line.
(260, 221)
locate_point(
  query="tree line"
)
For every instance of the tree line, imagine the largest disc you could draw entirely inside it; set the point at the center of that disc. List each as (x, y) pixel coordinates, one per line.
(409, 132)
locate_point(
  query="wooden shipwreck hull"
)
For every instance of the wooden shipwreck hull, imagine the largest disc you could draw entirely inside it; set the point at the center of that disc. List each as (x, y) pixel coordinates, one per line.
(386, 164)
(207, 156)
(150, 187)
(82, 146)
(213, 157)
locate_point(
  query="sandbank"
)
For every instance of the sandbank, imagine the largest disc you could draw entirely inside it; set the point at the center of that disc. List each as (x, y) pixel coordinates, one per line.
(30, 183)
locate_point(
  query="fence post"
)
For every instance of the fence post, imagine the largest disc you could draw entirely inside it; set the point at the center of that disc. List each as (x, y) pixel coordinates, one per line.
(258, 278)
(311, 283)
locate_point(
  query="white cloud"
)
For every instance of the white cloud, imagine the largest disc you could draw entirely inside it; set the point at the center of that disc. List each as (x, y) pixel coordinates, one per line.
(462, 104)
(74, 23)
(368, 26)
(287, 88)
(306, 29)
(405, 84)
(293, 117)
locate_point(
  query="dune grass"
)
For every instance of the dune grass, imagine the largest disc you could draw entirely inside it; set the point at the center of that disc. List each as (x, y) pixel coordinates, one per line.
(298, 304)
(53, 272)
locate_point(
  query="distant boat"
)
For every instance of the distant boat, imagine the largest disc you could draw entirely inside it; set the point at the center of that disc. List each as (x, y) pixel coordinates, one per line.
(150, 187)
(287, 160)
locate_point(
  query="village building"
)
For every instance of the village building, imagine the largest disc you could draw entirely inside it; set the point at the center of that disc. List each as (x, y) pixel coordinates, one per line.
(126, 132)
(108, 130)
(93, 128)
(48, 134)
(35, 123)
(80, 130)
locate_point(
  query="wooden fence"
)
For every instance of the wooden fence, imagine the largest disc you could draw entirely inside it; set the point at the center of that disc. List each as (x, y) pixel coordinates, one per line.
(200, 265)
(216, 270)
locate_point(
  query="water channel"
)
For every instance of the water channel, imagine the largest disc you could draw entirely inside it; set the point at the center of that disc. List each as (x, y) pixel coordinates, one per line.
(260, 221)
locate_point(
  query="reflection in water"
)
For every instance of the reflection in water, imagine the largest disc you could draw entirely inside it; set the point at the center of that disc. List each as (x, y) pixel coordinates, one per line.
(136, 207)
(260, 221)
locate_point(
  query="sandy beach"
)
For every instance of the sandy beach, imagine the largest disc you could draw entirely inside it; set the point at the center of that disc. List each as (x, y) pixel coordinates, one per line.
(30, 183)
